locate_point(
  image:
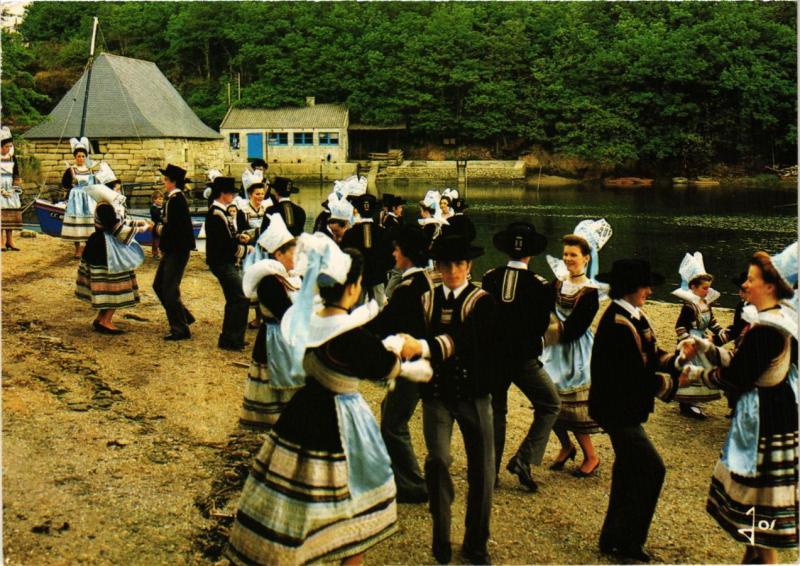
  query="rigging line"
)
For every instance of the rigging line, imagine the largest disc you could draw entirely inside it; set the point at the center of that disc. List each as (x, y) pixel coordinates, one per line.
(74, 99)
(121, 89)
(69, 114)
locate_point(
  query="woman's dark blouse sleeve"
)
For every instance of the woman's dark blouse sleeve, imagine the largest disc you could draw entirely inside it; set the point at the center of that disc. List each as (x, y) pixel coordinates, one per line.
(363, 353)
(685, 321)
(66, 179)
(760, 346)
(272, 294)
(581, 316)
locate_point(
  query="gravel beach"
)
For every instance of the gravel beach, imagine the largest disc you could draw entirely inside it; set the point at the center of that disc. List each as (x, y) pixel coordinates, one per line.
(127, 449)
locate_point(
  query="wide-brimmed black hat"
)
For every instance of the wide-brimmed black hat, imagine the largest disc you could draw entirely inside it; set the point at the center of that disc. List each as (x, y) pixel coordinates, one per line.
(397, 200)
(627, 275)
(259, 163)
(387, 199)
(223, 185)
(520, 239)
(459, 205)
(365, 204)
(454, 247)
(175, 173)
(413, 242)
(284, 186)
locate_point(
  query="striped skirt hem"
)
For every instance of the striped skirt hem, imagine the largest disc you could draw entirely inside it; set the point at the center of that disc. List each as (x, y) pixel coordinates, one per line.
(77, 228)
(104, 290)
(263, 404)
(574, 415)
(11, 219)
(296, 507)
(761, 510)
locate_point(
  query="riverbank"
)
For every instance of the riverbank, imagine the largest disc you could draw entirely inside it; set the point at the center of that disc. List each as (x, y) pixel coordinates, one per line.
(126, 449)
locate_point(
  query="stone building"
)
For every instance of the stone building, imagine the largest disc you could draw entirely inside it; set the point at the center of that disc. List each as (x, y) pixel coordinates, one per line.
(136, 121)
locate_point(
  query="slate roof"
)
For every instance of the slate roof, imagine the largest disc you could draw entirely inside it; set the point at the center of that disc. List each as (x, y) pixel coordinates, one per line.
(317, 116)
(128, 98)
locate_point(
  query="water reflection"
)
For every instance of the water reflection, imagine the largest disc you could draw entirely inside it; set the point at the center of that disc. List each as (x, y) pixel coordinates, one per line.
(727, 224)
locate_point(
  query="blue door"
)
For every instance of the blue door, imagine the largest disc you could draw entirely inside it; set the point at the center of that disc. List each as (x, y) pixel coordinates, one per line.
(255, 146)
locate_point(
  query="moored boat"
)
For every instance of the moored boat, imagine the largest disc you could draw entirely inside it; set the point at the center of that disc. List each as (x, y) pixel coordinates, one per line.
(704, 182)
(51, 219)
(627, 182)
(680, 181)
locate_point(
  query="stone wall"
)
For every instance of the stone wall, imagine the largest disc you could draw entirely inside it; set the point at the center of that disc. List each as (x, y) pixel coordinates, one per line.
(326, 171)
(447, 170)
(133, 160)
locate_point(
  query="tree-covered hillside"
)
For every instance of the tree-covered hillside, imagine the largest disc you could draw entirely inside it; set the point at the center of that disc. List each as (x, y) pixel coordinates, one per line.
(616, 82)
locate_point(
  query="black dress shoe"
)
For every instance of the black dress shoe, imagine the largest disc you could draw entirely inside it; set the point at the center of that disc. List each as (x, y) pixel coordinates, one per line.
(559, 464)
(634, 553)
(578, 473)
(99, 328)
(230, 347)
(625, 551)
(473, 557)
(523, 472)
(174, 337)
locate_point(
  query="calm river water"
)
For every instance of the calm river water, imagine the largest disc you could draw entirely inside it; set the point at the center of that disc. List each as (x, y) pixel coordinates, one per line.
(725, 223)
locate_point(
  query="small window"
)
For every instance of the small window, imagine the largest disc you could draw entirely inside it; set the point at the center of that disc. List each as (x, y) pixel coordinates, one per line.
(233, 140)
(303, 138)
(278, 138)
(329, 138)
(95, 146)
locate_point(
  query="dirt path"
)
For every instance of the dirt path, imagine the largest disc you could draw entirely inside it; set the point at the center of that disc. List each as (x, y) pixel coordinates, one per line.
(126, 449)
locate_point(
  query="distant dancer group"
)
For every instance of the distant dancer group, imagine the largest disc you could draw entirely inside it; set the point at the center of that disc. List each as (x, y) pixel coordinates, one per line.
(371, 296)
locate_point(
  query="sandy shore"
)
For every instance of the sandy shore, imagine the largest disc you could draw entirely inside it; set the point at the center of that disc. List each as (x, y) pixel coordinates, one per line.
(127, 450)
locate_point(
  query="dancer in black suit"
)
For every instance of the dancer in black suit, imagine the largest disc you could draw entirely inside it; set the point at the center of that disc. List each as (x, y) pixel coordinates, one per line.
(176, 241)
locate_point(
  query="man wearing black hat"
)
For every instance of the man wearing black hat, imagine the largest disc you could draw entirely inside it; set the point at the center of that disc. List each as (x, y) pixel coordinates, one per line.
(226, 245)
(460, 345)
(176, 241)
(371, 240)
(459, 223)
(524, 303)
(405, 314)
(626, 365)
(293, 215)
(392, 216)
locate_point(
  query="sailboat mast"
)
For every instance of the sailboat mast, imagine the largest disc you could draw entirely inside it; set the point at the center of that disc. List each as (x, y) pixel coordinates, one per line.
(88, 78)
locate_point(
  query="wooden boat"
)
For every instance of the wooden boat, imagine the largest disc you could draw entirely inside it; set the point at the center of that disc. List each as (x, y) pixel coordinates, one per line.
(51, 220)
(704, 182)
(680, 181)
(627, 182)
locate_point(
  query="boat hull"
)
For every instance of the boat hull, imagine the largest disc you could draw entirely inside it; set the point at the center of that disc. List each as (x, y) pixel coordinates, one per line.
(51, 220)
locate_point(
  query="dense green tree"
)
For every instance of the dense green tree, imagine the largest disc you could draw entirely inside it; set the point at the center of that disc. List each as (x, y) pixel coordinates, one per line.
(661, 84)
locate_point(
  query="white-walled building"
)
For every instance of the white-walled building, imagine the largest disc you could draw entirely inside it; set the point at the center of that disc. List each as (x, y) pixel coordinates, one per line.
(309, 134)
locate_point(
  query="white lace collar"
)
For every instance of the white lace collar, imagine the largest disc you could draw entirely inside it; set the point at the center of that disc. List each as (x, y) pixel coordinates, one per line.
(782, 318)
(688, 296)
(432, 220)
(322, 329)
(264, 268)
